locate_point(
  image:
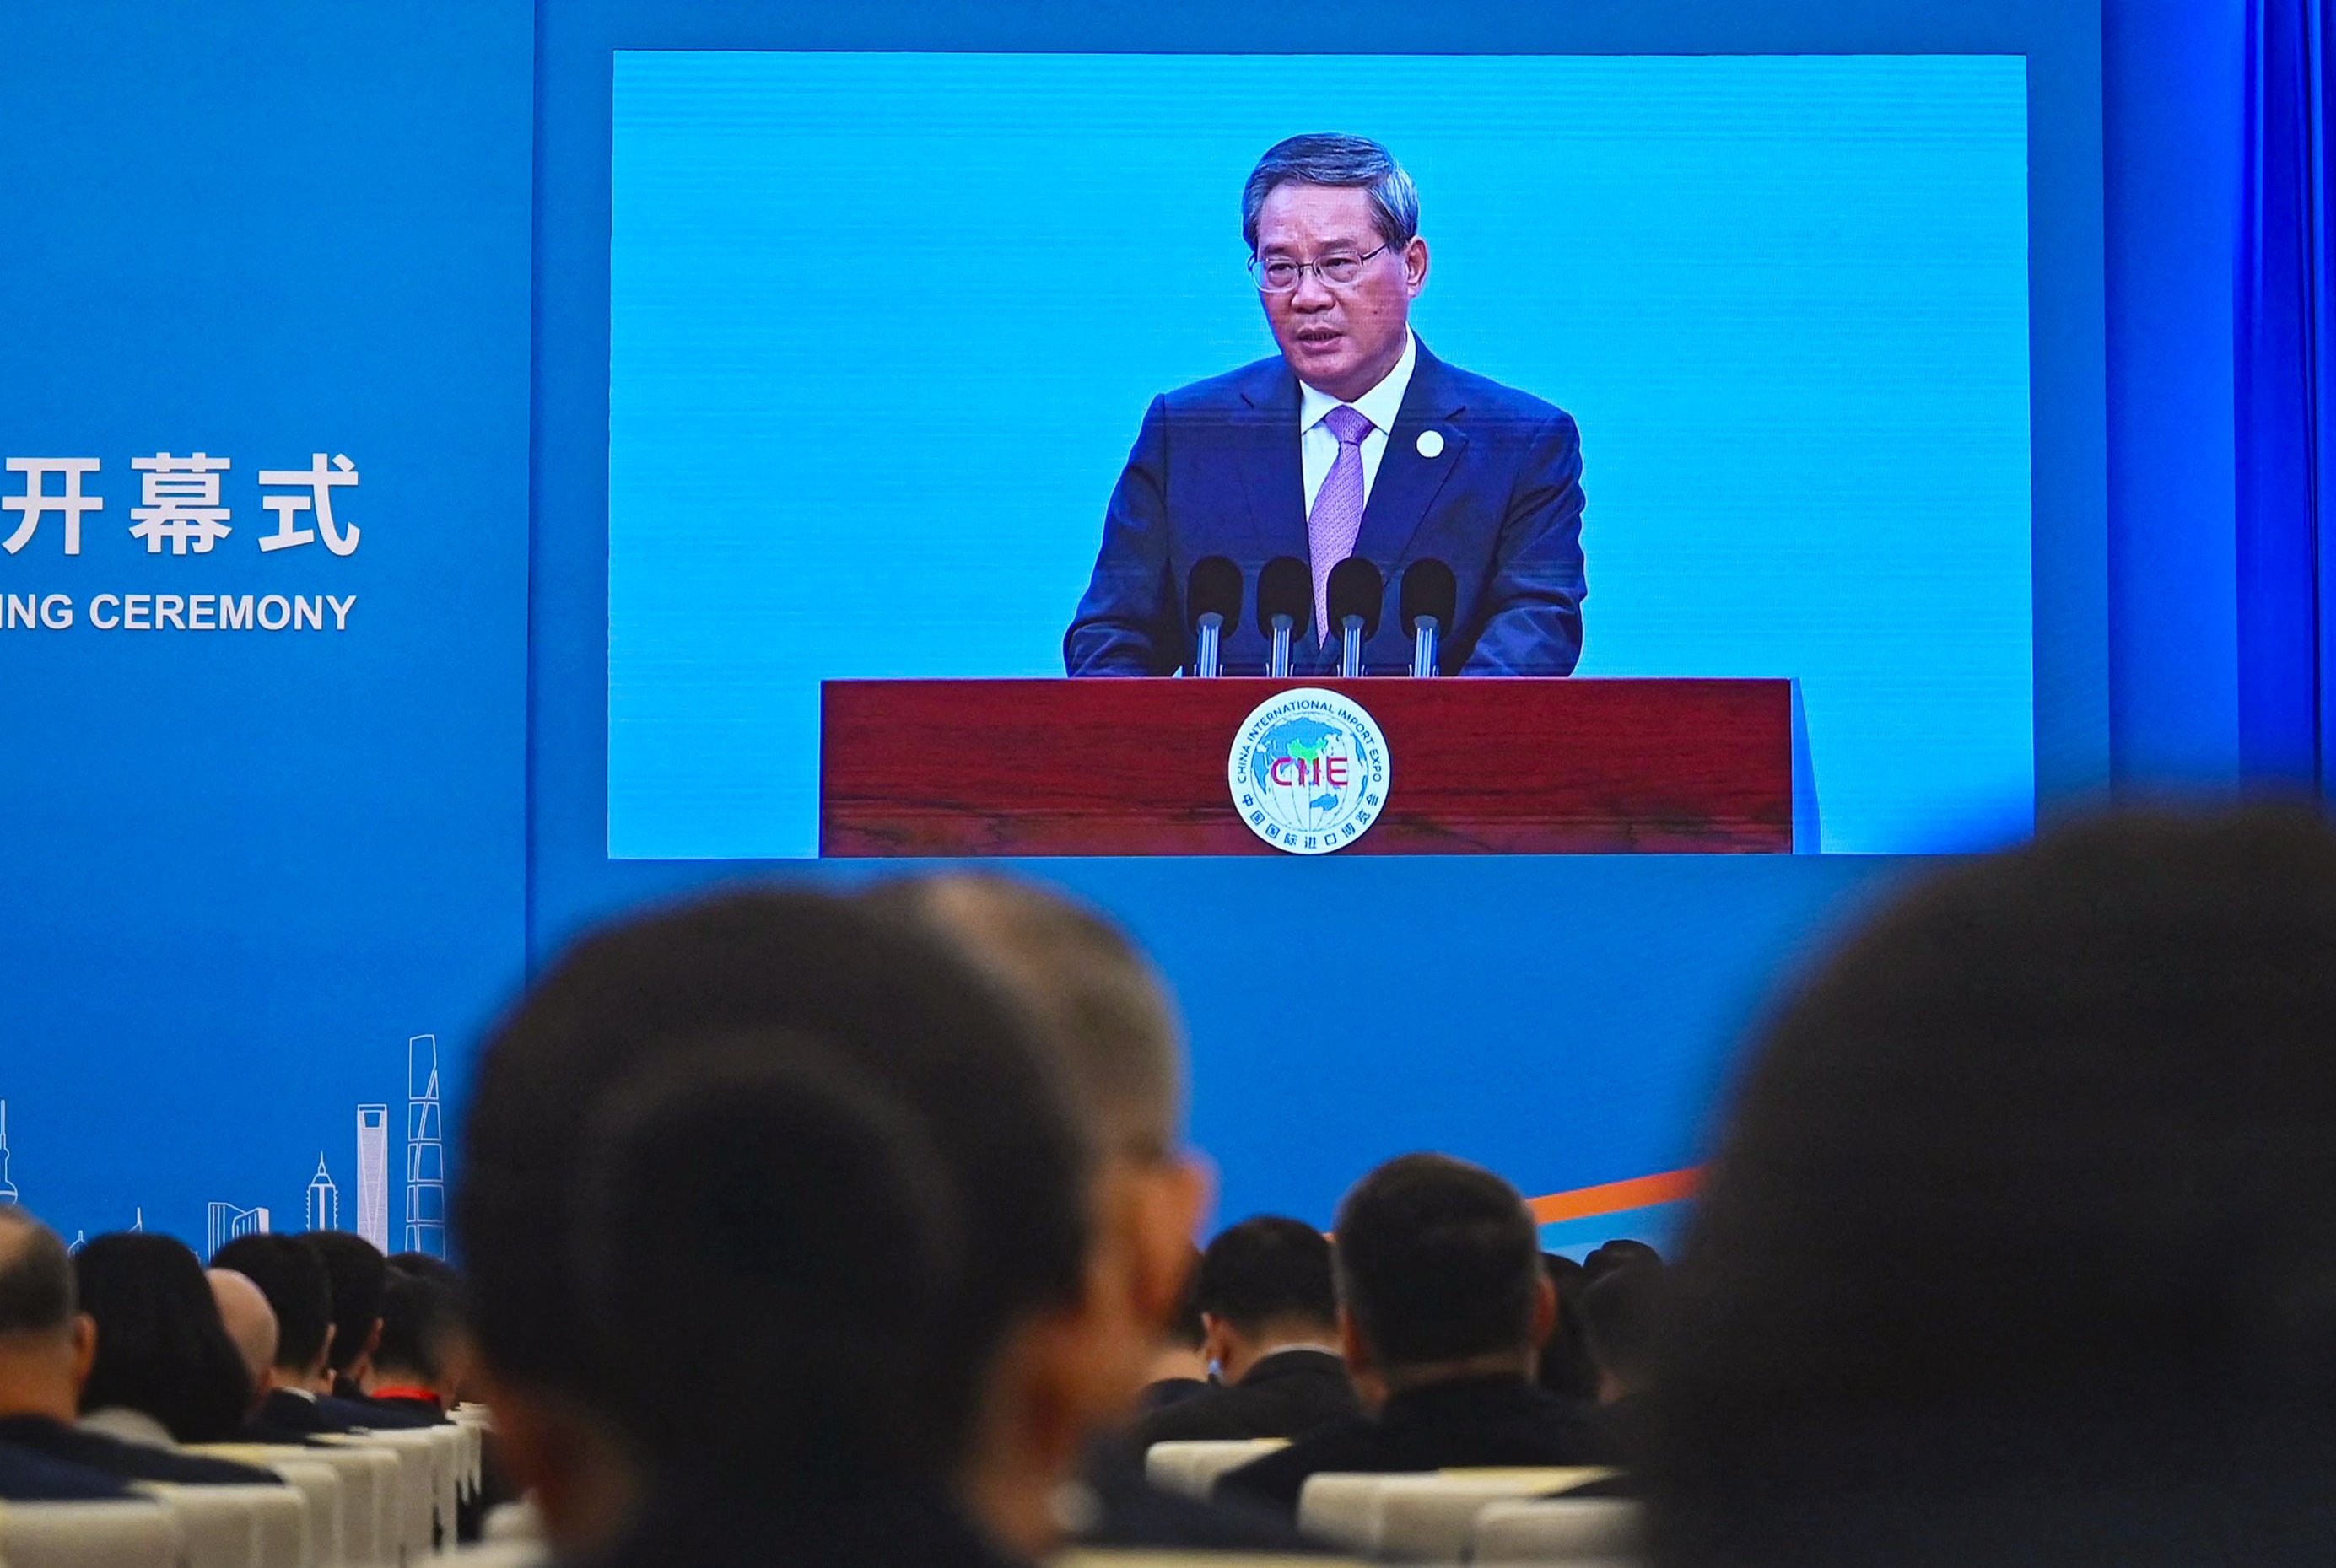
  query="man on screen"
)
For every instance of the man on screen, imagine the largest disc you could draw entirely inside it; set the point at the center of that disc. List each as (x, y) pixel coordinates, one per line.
(1354, 441)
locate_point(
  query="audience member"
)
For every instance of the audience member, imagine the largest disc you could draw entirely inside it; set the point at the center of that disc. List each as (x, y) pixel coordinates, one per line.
(46, 1349)
(1619, 1312)
(412, 1368)
(1114, 1034)
(1442, 1302)
(886, 1000)
(2018, 1246)
(360, 1278)
(1565, 1368)
(1621, 1253)
(151, 1361)
(1180, 1360)
(1269, 1309)
(761, 1202)
(250, 1325)
(291, 1275)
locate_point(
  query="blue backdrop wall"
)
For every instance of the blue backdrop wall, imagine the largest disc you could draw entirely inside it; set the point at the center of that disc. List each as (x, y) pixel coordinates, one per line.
(246, 867)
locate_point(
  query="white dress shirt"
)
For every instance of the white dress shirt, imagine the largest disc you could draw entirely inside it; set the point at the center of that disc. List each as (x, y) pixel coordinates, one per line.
(1318, 449)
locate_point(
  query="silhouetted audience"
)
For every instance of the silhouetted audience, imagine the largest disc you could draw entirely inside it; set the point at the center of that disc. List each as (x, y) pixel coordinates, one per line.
(2019, 1248)
(964, 1064)
(292, 1276)
(1270, 1315)
(164, 1369)
(411, 1366)
(50, 1351)
(1565, 1368)
(1443, 1302)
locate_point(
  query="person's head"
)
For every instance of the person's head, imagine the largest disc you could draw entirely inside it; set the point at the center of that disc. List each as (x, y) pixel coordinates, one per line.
(2017, 1245)
(1439, 1276)
(421, 1334)
(1618, 1325)
(45, 1341)
(359, 1276)
(1623, 1251)
(424, 1266)
(955, 1051)
(161, 1347)
(1565, 1368)
(1332, 225)
(250, 1322)
(299, 1293)
(1263, 1284)
(1121, 1048)
(763, 1203)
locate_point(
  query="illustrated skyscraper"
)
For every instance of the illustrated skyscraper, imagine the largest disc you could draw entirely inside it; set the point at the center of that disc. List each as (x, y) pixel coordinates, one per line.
(7, 1188)
(373, 1174)
(228, 1221)
(324, 1199)
(426, 1150)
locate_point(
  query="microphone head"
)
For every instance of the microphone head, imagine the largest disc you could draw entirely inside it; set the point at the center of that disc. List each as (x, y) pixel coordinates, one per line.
(1285, 587)
(1214, 588)
(1430, 589)
(1356, 588)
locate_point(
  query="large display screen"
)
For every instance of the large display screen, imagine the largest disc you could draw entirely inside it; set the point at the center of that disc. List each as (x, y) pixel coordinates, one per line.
(886, 330)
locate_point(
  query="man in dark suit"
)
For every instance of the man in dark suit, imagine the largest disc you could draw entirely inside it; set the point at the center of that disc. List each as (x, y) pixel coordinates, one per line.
(46, 1348)
(1355, 440)
(293, 1277)
(1270, 1311)
(1442, 1301)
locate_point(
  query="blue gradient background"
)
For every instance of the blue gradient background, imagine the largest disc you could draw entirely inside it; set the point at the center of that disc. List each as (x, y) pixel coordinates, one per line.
(881, 327)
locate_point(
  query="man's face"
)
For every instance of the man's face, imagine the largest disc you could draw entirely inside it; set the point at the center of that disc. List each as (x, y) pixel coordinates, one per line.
(1343, 339)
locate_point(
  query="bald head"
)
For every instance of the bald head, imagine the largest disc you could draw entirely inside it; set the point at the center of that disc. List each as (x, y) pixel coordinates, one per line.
(250, 1321)
(1098, 998)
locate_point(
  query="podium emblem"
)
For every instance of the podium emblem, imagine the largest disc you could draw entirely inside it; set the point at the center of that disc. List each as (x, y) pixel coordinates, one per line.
(1308, 771)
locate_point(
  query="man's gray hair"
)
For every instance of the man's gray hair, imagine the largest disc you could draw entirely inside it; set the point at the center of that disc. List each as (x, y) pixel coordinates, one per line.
(1326, 158)
(36, 1276)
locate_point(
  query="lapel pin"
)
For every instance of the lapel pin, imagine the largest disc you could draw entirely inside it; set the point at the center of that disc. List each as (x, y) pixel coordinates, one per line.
(1431, 443)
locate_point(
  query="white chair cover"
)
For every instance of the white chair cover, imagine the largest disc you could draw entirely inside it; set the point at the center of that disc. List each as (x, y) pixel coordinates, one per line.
(1434, 1517)
(413, 1505)
(1192, 1468)
(137, 1534)
(238, 1526)
(366, 1536)
(1336, 1506)
(1571, 1529)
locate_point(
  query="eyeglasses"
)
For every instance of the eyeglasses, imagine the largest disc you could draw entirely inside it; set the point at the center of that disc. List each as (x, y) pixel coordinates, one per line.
(1279, 275)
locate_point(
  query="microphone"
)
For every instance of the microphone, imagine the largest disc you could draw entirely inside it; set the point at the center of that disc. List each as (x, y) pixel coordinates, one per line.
(1429, 596)
(1285, 607)
(1356, 591)
(1212, 596)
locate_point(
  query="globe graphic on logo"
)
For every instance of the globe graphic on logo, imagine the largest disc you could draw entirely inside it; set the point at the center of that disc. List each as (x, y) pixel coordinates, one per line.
(1308, 771)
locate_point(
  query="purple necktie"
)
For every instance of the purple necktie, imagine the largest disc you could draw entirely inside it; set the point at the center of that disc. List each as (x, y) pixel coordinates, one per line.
(1337, 508)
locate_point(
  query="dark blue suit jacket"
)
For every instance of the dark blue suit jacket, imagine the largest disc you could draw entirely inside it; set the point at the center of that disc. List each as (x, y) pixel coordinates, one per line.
(1215, 471)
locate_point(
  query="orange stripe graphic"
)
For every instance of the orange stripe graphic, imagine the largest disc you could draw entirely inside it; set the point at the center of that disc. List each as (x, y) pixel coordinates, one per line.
(1612, 1197)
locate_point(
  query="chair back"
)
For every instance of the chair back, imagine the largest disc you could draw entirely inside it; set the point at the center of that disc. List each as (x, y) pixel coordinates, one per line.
(138, 1533)
(1192, 1468)
(1575, 1531)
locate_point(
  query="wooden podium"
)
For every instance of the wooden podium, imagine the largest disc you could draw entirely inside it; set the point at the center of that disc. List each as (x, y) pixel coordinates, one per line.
(1137, 767)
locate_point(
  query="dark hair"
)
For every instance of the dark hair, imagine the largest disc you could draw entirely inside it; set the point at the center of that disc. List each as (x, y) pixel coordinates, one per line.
(422, 1265)
(1617, 1319)
(161, 1346)
(1102, 1001)
(1266, 1270)
(760, 1203)
(1565, 1368)
(1621, 1253)
(2019, 1245)
(1437, 1260)
(890, 999)
(1328, 158)
(299, 1291)
(360, 1277)
(419, 1315)
(36, 1277)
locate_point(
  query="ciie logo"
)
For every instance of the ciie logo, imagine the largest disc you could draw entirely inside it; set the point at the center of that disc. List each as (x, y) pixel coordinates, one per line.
(1308, 771)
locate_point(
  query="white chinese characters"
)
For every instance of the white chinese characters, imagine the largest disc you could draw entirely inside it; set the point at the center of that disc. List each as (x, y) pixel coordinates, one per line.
(321, 482)
(37, 502)
(182, 502)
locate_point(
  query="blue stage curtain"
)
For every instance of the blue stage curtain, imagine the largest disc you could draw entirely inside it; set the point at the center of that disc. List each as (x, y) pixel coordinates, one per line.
(2286, 401)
